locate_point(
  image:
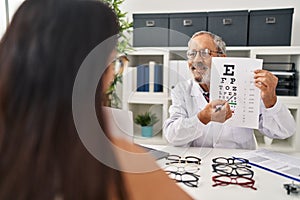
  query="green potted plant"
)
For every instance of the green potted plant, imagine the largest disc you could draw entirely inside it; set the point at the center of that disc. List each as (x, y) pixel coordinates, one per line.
(125, 25)
(146, 121)
(122, 47)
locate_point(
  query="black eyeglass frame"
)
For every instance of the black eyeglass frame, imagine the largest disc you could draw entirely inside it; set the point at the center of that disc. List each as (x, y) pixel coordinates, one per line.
(234, 170)
(179, 159)
(232, 161)
(182, 167)
(190, 183)
(208, 53)
(188, 160)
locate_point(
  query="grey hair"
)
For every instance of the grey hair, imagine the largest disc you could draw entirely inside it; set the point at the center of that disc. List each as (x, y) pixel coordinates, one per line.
(221, 45)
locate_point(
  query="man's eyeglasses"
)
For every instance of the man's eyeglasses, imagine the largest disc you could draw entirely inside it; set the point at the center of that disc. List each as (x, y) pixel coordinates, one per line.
(204, 53)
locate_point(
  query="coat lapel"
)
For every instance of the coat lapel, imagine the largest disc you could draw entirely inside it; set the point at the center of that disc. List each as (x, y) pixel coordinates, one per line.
(197, 96)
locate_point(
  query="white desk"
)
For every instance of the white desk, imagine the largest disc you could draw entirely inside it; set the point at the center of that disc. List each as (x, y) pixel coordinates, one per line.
(269, 185)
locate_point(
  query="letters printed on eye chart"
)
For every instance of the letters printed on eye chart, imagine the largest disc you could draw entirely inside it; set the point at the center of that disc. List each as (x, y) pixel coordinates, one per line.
(235, 76)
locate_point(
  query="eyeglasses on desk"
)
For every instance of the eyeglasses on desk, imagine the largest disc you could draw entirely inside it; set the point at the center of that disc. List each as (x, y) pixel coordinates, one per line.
(183, 169)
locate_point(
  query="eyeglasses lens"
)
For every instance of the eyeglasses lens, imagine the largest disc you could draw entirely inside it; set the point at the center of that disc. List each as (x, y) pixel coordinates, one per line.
(204, 53)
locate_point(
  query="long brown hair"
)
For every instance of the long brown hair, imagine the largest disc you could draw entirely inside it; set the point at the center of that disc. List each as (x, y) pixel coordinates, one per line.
(41, 154)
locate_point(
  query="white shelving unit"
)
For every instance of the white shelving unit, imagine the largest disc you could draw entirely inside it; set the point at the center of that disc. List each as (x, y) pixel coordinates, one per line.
(139, 102)
(283, 54)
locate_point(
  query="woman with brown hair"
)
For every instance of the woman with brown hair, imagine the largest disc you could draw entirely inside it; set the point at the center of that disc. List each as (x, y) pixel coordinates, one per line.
(41, 154)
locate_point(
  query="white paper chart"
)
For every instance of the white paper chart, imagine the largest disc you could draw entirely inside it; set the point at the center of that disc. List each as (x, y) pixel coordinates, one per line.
(278, 163)
(235, 76)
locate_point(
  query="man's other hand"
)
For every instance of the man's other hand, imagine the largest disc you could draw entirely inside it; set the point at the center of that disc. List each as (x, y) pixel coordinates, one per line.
(266, 82)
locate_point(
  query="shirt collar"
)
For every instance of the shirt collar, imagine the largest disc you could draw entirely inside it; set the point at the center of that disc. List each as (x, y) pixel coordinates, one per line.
(196, 89)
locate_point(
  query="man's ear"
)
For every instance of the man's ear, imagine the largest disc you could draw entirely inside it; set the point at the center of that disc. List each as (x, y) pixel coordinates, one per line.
(189, 65)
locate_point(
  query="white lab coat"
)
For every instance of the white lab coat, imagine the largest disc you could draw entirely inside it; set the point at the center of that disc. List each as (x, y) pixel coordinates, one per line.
(183, 128)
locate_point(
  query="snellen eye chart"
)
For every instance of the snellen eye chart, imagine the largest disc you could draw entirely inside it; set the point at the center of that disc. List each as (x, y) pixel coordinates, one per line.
(232, 79)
